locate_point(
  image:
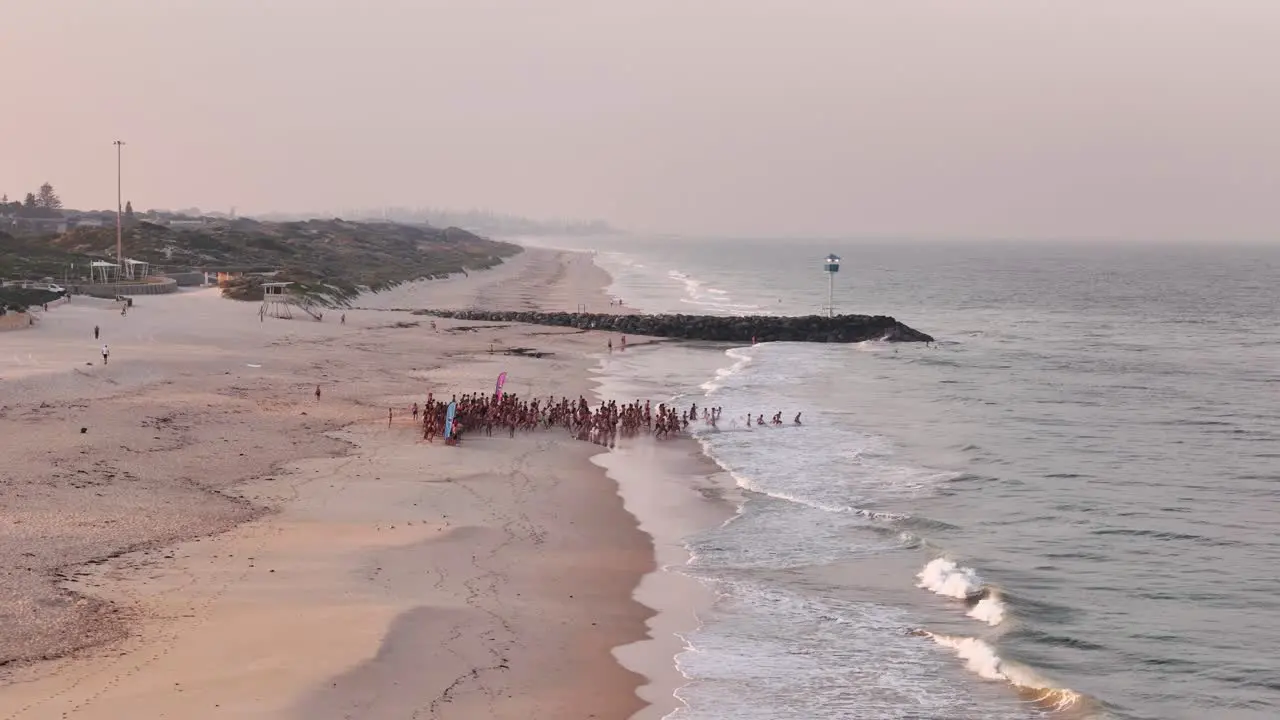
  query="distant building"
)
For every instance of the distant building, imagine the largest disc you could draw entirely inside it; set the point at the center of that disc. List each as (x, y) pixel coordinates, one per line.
(56, 225)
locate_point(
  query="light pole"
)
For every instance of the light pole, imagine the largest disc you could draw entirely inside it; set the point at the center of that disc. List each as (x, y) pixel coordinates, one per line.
(119, 217)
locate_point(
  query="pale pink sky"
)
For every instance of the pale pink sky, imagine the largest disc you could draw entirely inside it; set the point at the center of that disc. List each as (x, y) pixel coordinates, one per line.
(1084, 118)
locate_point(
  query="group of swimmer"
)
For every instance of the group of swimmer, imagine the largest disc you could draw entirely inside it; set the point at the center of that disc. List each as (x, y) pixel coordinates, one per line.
(602, 424)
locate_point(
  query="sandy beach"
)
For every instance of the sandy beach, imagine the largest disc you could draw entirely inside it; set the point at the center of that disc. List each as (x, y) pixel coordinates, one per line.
(187, 532)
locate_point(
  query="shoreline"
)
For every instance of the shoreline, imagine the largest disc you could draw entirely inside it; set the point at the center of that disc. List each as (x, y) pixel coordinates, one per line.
(674, 490)
(655, 484)
(189, 599)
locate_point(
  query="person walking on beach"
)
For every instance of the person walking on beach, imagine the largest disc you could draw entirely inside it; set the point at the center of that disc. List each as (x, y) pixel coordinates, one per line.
(342, 320)
(95, 332)
(106, 352)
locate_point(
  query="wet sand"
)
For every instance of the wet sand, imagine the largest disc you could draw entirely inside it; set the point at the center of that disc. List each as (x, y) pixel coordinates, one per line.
(217, 543)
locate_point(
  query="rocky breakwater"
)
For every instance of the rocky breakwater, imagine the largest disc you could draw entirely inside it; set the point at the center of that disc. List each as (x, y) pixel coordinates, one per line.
(762, 328)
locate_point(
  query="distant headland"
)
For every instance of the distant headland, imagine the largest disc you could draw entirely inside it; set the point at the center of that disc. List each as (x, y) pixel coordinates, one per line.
(481, 222)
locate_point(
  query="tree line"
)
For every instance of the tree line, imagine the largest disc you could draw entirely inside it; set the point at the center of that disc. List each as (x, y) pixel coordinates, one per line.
(44, 203)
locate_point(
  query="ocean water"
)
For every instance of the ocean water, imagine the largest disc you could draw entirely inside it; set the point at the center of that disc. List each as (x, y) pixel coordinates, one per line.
(1066, 509)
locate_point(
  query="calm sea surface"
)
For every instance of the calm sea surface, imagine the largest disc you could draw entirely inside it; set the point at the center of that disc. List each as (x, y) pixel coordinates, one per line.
(1066, 509)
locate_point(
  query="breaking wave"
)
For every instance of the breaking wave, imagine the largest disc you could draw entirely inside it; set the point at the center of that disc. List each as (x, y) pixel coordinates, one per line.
(944, 577)
(981, 659)
(947, 578)
(712, 299)
(989, 609)
(741, 358)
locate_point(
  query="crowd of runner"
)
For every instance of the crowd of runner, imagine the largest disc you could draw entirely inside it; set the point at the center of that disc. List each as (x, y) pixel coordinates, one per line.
(602, 424)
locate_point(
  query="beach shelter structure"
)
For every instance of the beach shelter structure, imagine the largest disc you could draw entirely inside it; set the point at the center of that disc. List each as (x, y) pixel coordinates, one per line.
(101, 271)
(135, 269)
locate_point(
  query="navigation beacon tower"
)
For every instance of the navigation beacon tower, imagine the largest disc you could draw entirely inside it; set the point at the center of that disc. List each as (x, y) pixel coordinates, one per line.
(832, 266)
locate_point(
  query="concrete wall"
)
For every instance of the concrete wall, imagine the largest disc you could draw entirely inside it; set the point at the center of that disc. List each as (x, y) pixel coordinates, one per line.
(14, 321)
(159, 286)
(187, 279)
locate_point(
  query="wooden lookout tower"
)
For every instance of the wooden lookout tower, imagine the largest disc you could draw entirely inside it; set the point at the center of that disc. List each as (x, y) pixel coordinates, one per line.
(278, 302)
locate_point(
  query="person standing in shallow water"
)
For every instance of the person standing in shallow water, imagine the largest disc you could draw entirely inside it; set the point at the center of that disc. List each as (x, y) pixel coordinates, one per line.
(317, 393)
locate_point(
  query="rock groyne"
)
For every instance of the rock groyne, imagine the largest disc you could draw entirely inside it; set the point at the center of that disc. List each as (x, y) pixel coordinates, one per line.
(762, 328)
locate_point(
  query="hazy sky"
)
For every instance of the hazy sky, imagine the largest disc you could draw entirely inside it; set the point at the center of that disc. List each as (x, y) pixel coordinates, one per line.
(1084, 118)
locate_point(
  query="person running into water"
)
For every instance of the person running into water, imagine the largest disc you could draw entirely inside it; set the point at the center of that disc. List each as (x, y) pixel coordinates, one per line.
(798, 419)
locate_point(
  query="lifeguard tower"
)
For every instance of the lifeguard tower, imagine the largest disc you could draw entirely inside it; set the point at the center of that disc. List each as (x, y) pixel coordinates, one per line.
(831, 265)
(278, 302)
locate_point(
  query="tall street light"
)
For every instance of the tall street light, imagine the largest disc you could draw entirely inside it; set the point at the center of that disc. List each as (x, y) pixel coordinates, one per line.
(119, 221)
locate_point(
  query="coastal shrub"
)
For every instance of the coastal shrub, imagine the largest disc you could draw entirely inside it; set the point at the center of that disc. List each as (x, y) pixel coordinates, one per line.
(334, 259)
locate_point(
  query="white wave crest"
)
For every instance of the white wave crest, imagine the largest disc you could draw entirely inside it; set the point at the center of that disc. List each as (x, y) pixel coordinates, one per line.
(943, 577)
(741, 358)
(747, 484)
(981, 659)
(717, 300)
(990, 609)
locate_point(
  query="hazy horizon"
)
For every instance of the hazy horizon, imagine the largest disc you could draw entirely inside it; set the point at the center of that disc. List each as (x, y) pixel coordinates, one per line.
(1138, 119)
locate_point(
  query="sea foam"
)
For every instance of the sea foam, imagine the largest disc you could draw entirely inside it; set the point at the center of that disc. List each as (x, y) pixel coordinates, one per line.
(944, 577)
(990, 609)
